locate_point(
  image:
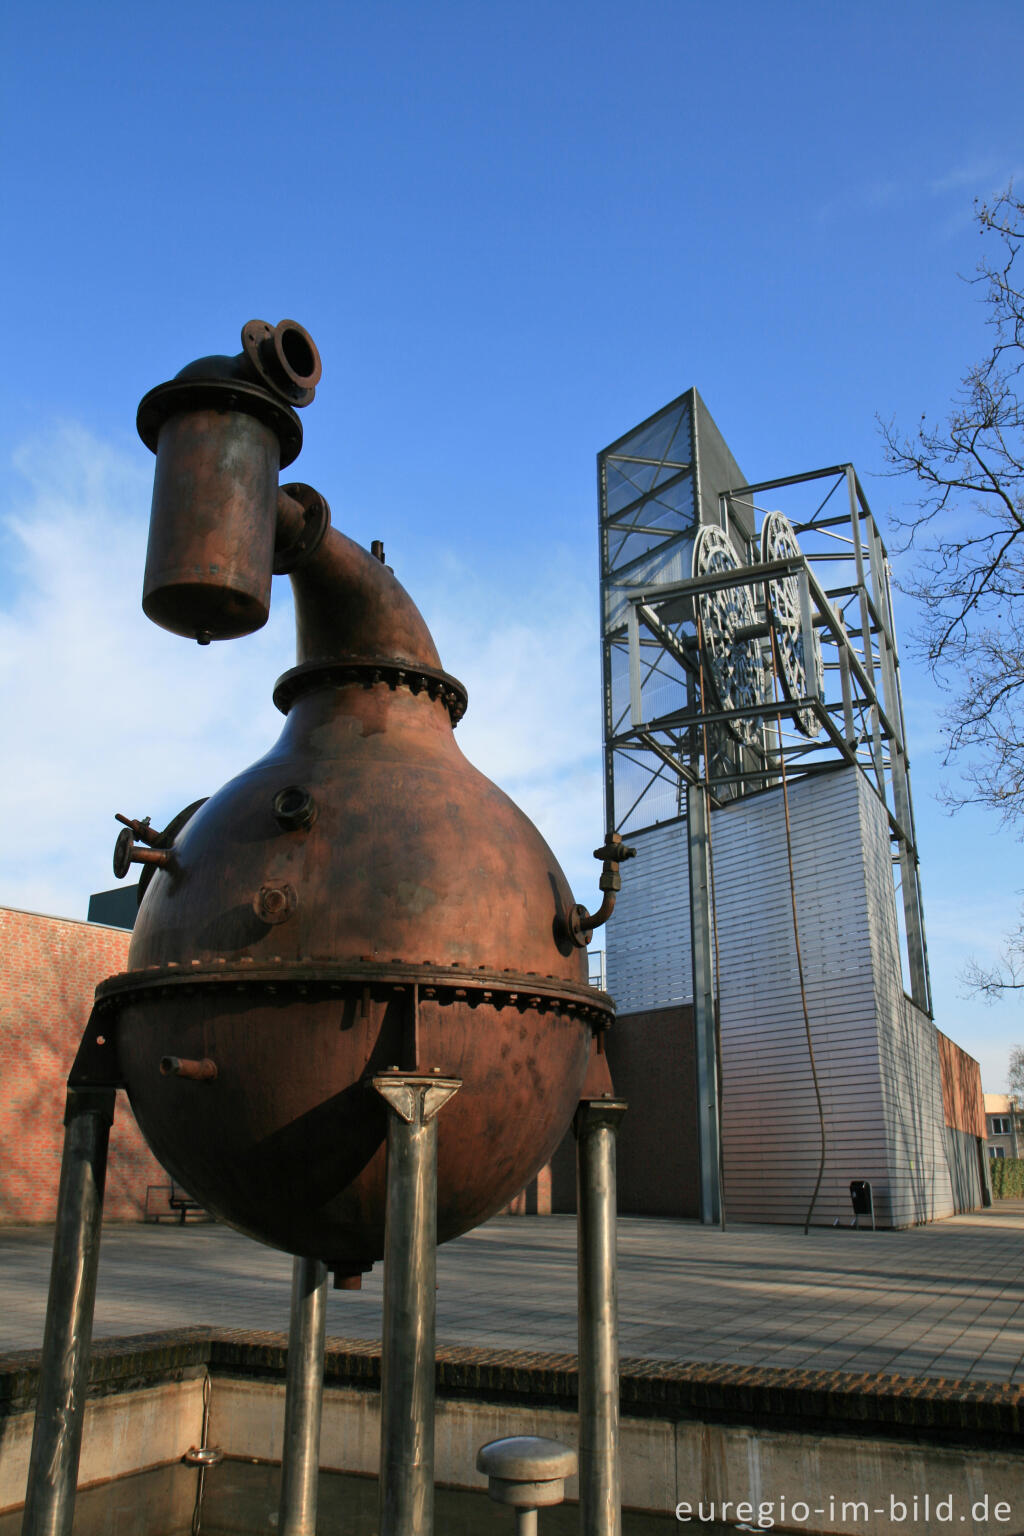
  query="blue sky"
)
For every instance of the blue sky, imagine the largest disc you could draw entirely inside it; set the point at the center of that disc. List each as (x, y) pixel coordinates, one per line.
(514, 232)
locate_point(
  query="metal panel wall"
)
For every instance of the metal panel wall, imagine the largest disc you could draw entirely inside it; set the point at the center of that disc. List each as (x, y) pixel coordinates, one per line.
(910, 1070)
(962, 1154)
(876, 1055)
(771, 1134)
(648, 939)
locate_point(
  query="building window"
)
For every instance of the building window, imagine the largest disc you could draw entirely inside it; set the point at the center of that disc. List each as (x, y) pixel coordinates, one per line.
(1000, 1125)
(997, 1151)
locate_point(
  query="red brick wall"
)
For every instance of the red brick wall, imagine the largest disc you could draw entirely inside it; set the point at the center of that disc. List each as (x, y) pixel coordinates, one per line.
(49, 968)
(963, 1103)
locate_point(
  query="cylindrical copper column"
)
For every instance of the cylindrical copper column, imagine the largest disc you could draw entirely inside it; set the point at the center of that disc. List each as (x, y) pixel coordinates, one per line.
(211, 531)
(303, 1403)
(596, 1127)
(406, 1496)
(67, 1338)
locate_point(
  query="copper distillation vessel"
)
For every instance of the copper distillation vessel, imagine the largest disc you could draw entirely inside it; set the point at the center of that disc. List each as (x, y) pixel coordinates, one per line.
(358, 933)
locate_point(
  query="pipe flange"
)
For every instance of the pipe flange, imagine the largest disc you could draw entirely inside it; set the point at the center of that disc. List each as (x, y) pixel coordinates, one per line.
(446, 984)
(316, 519)
(369, 670)
(123, 853)
(275, 903)
(285, 357)
(579, 926)
(294, 808)
(219, 394)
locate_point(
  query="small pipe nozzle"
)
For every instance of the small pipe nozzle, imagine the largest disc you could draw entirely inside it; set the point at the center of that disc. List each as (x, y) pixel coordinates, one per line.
(179, 1066)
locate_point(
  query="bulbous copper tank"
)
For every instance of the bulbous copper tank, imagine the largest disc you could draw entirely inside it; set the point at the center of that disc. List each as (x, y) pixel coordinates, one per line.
(359, 898)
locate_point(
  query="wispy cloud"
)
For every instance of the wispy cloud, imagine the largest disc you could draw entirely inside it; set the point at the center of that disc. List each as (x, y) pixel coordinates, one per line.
(969, 175)
(982, 176)
(107, 713)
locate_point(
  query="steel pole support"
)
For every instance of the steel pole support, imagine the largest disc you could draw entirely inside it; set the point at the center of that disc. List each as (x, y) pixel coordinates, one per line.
(596, 1126)
(67, 1337)
(705, 1022)
(406, 1489)
(303, 1401)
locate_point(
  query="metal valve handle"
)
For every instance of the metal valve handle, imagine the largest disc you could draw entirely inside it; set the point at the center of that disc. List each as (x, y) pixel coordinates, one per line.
(580, 923)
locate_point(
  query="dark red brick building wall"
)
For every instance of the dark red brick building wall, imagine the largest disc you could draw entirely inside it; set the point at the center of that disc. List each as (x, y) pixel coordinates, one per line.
(49, 968)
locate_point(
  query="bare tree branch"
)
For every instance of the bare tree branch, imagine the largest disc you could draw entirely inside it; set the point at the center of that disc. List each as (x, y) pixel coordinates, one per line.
(968, 531)
(1015, 1074)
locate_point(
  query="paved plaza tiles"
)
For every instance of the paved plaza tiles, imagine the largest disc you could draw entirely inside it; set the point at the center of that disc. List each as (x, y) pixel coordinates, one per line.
(942, 1300)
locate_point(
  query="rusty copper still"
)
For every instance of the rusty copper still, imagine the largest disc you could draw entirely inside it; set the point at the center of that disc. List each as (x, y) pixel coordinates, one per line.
(359, 899)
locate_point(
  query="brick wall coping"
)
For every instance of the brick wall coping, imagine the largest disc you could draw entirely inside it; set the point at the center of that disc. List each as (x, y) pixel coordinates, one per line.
(57, 917)
(923, 1408)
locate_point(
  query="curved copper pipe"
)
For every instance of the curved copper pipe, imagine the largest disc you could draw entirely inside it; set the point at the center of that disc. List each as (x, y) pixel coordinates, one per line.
(580, 924)
(349, 606)
(600, 917)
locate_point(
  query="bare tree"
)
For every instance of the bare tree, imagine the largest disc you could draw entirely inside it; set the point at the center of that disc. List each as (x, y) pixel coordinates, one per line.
(1006, 976)
(968, 529)
(1015, 1074)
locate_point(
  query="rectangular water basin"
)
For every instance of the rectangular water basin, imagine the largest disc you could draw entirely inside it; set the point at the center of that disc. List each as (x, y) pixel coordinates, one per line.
(843, 1445)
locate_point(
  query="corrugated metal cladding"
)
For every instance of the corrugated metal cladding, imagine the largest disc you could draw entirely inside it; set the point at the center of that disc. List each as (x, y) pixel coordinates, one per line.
(877, 1056)
(965, 1169)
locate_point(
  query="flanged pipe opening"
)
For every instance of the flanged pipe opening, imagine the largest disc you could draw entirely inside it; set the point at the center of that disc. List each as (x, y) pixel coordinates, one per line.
(294, 808)
(294, 346)
(285, 358)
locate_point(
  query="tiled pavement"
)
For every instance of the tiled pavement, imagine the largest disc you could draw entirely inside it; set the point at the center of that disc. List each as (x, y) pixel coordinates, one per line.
(942, 1300)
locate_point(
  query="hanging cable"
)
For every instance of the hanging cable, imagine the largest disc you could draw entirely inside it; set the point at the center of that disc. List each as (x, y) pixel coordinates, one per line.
(714, 923)
(796, 926)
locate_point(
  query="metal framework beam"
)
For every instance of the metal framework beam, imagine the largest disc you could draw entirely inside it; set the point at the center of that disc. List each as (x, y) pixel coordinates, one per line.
(653, 644)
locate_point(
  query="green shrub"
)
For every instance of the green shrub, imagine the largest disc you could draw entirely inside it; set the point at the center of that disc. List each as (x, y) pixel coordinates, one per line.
(1007, 1175)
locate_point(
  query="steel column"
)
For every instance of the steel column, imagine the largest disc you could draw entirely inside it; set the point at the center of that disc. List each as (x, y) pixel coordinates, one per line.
(303, 1402)
(917, 948)
(67, 1338)
(596, 1126)
(406, 1490)
(867, 642)
(705, 1023)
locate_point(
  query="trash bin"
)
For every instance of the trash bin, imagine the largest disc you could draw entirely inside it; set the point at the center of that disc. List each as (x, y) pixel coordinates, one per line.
(863, 1202)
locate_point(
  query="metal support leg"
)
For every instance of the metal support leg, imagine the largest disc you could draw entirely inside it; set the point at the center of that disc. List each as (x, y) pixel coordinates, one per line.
(705, 1022)
(410, 1264)
(303, 1402)
(67, 1339)
(596, 1127)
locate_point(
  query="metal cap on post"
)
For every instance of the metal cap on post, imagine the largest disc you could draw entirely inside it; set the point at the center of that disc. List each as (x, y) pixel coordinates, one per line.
(595, 1127)
(528, 1472)
(406, 1490)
